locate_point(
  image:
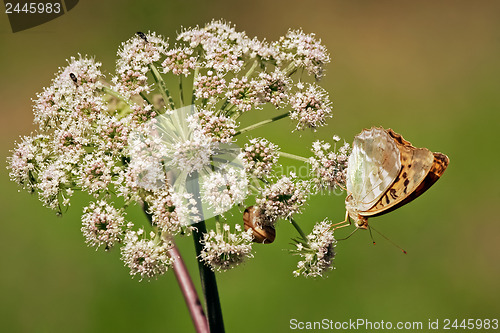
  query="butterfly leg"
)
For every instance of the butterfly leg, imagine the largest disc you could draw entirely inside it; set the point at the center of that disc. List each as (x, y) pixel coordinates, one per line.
(347, 222)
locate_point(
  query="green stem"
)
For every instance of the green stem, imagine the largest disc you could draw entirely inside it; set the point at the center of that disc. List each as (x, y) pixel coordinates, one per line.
(144, 97)
(254, 188)
(181, 94)
(250, 71)
(291, 69)
(224, 105)
(113, 93)
(196, 71)
(296, 226)
(235, 115)
(165, 93)
(264, 122)
(230, 109)
(207, 276)
(293, 157)
(204, 102)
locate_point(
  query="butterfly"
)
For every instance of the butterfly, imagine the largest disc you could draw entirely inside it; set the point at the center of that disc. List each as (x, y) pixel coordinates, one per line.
(385, 172)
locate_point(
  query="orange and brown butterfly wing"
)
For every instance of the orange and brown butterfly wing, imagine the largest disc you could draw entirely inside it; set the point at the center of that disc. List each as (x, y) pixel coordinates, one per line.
(420, 168)
(440, 164)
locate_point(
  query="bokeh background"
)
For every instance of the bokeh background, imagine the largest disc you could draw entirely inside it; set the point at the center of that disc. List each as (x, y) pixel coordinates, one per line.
(428, 69)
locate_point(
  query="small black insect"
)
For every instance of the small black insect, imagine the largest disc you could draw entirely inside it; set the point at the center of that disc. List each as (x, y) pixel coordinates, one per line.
(73, 77)
(142, 35)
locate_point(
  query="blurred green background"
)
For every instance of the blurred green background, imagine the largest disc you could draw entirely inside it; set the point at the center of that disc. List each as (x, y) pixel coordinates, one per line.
(428, 69)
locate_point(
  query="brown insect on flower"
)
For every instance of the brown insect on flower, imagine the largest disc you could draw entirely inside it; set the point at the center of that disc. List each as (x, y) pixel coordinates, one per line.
(73, 78)
(142, 36)
(264, 234)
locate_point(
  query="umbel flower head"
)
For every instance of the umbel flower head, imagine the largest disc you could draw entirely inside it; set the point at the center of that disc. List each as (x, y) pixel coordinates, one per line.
(223, 250)
(186, 151)
(317, 251)
(124, 138)
(134, 60)
(310, 106)
(259, 156)
(102, 224)
(329, 167)
(282, 199)
(222, 189)
(146, 257)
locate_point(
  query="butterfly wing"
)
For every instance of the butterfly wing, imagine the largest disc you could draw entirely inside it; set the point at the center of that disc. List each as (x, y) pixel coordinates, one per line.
(373, 166)
(420, 168)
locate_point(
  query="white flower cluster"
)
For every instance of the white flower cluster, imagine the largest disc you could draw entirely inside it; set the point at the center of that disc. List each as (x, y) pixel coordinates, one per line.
(148, 258)
(124, 138)
(25, 162)
(310, 107)
(243, 93)
(274, 87)
(282, 199)
(223, 46)
(171, 212)
(218, 128)
(134, 60)
(225, 188)
(192, 154)
(96, 170)
(329, 167)
(317, 251)
(103, 224)
(208, 86)
(305, 51)
(223, 250)
(259, 156)
(179, 61)
(223, 51)
(72, 95)
(54, 183)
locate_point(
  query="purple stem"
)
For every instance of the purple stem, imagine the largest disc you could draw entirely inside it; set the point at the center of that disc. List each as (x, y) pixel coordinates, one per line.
(188, 290)
(186, 285)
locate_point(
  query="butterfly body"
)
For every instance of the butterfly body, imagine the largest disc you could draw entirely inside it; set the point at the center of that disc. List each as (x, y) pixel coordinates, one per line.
(386, 172)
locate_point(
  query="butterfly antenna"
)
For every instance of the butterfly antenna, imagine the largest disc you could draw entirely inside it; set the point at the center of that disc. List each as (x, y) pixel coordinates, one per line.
(390, 241)
(371, 235)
